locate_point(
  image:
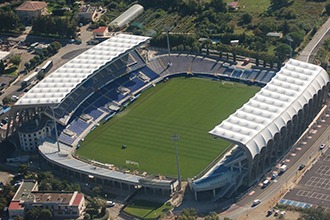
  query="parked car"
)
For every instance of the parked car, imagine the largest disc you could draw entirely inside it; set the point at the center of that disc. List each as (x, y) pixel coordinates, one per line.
(256, 202)
(110, 203)
(302, 166)
(274, 175)
(270, 211)
(322, 146)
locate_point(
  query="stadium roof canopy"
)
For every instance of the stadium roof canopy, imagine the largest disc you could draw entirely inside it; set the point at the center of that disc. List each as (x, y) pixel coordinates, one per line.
(55, 87)
(257, 121)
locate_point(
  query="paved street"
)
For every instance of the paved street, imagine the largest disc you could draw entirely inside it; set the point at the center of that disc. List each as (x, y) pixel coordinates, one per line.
(310, 50)
(66, 53)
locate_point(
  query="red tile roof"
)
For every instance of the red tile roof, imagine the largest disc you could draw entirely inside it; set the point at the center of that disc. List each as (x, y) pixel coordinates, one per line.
(32, 6)
(78, 199)
(14, 205)
(233, 4)
(101, 29)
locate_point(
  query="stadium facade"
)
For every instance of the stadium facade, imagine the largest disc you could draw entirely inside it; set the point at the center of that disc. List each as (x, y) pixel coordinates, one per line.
(92, 87)
(265, 128)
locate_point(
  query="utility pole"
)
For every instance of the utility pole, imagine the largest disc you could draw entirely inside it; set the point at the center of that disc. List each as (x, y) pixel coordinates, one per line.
(290, 41)
(56, 132)
(175, 138)
(168, 47)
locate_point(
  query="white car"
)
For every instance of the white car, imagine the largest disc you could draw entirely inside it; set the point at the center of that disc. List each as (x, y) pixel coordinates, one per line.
(256, 202)
(322, 146)
(110, 203)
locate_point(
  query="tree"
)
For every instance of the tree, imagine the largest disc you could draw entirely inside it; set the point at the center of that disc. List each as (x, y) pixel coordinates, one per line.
(41, 75)
(246, 18)
(56, 46)
(219, 5)
(188, 214)
(6, 100)
(285, 28)
(327, 8)
(2, 67)
(87, 216)
(315, 213)
(277, 4)
(45, 214)
(9, 20)
(97, 189)
(16, 59)
(33, 213)
(282, 52)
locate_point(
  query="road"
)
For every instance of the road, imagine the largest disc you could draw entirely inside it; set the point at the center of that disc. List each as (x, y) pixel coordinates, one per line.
(58, 59)
(287, 180)
(310, 50)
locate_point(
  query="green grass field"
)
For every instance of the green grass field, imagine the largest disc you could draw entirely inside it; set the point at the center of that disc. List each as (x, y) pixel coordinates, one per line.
(189, 106)
(146, 209)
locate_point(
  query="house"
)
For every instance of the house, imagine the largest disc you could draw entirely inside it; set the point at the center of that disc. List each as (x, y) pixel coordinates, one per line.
(275, 34)
(23, 194)
(102, 31)
(30, 10)
(233, 6)
(127, 16)
(61, 204)
(87, 13)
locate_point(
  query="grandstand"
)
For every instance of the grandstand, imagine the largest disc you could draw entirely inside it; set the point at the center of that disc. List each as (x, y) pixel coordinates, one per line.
(97, 84)
(184, 63)
(265, 128)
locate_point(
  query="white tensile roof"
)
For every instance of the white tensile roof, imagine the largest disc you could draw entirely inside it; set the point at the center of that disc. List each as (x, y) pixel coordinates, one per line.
(254, 124)
(54, 88)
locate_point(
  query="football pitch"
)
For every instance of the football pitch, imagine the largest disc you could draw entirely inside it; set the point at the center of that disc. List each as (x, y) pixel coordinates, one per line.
(188, 106)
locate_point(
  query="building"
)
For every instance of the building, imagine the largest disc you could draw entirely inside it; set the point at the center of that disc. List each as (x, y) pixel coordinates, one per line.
(100, 32)
(23, 194)
(233, 6)
(4, 55)
(30, 133)
(30, 10)
(87, 13)
(265, 128)
(61, 204)
(127, 16)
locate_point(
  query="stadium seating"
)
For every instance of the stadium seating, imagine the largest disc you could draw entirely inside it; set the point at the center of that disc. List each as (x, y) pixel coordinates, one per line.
(228, 71)
(148, 72)
(95, 114)
(236, 73)
(134, 84)
(78, 126)
(66, 139)
(246, 73)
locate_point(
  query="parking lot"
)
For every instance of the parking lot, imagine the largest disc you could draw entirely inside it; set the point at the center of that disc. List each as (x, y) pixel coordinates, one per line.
(314, 187)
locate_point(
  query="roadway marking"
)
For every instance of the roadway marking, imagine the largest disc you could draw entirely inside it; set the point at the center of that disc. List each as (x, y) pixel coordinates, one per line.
(327, 158)
(313, 195)
(318, 182)
(323, 170)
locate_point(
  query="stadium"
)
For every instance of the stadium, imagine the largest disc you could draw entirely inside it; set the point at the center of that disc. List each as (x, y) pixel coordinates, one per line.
(76, 100)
